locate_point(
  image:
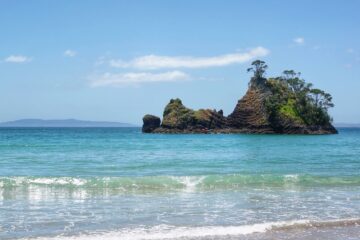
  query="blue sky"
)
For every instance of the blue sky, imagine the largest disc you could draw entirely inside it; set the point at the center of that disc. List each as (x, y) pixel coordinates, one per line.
(118, 60)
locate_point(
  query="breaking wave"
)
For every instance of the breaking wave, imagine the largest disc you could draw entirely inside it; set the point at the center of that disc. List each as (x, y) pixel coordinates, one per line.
(178, 183)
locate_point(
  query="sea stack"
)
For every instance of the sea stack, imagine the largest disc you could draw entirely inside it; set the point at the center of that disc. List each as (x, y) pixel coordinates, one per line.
(281, 105)
(151, 123)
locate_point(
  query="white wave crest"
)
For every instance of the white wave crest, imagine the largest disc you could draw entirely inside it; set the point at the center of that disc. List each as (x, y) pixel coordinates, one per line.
(190, 182)
(45, 181)
(171, 232)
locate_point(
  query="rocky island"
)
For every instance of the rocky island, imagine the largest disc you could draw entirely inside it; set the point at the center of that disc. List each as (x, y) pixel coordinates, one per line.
(282, 105)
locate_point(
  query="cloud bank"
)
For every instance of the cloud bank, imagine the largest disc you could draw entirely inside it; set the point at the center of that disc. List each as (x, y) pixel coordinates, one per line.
(138, 78)
(151, 62)
(17, 59)
(144, 67)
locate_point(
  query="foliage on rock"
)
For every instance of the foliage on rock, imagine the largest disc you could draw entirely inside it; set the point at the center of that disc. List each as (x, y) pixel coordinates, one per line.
(177, 116)
(296, 100)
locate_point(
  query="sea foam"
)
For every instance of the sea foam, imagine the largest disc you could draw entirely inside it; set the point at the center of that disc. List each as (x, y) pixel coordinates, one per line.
(179, 183)
(171, 232)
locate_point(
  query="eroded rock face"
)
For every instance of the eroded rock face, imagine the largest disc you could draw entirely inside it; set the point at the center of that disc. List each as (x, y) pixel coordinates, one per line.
(150, 123)
(250, 112)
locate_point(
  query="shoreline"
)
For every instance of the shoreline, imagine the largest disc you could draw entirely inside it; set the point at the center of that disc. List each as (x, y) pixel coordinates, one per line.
(281, 230)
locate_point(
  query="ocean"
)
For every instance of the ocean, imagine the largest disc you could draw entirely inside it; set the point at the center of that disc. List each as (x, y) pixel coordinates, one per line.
(117, 183)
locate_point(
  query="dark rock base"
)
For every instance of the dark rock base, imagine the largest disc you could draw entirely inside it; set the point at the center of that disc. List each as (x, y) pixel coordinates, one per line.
(313, 130)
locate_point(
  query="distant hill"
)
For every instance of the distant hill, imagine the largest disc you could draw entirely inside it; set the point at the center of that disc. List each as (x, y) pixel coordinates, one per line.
(347, 125)
(62, 123)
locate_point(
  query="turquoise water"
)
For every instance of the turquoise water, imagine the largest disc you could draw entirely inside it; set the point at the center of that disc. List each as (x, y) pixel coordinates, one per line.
(117, 183)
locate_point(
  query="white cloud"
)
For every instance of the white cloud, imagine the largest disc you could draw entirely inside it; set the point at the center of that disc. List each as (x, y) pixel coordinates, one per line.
(158, 62)
(299, 40)
(17, 59)
(70, 53)
(133, 78)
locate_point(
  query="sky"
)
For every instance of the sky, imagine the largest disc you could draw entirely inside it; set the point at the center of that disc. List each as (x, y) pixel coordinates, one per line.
(118, 60)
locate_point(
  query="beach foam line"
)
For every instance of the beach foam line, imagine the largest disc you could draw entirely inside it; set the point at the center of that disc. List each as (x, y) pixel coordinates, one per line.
(182, 183)
(162, 232)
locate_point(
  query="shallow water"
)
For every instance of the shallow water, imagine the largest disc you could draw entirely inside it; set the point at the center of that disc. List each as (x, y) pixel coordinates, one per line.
(114, 183)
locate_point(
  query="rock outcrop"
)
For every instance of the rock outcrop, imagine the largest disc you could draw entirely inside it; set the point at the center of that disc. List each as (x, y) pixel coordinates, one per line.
(251, 115)
(151, 123)
(178, 118)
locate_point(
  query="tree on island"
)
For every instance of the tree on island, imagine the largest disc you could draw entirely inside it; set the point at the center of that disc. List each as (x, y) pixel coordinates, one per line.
(289, 74)
(259, 68)
(292, 97)
(321, 99)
